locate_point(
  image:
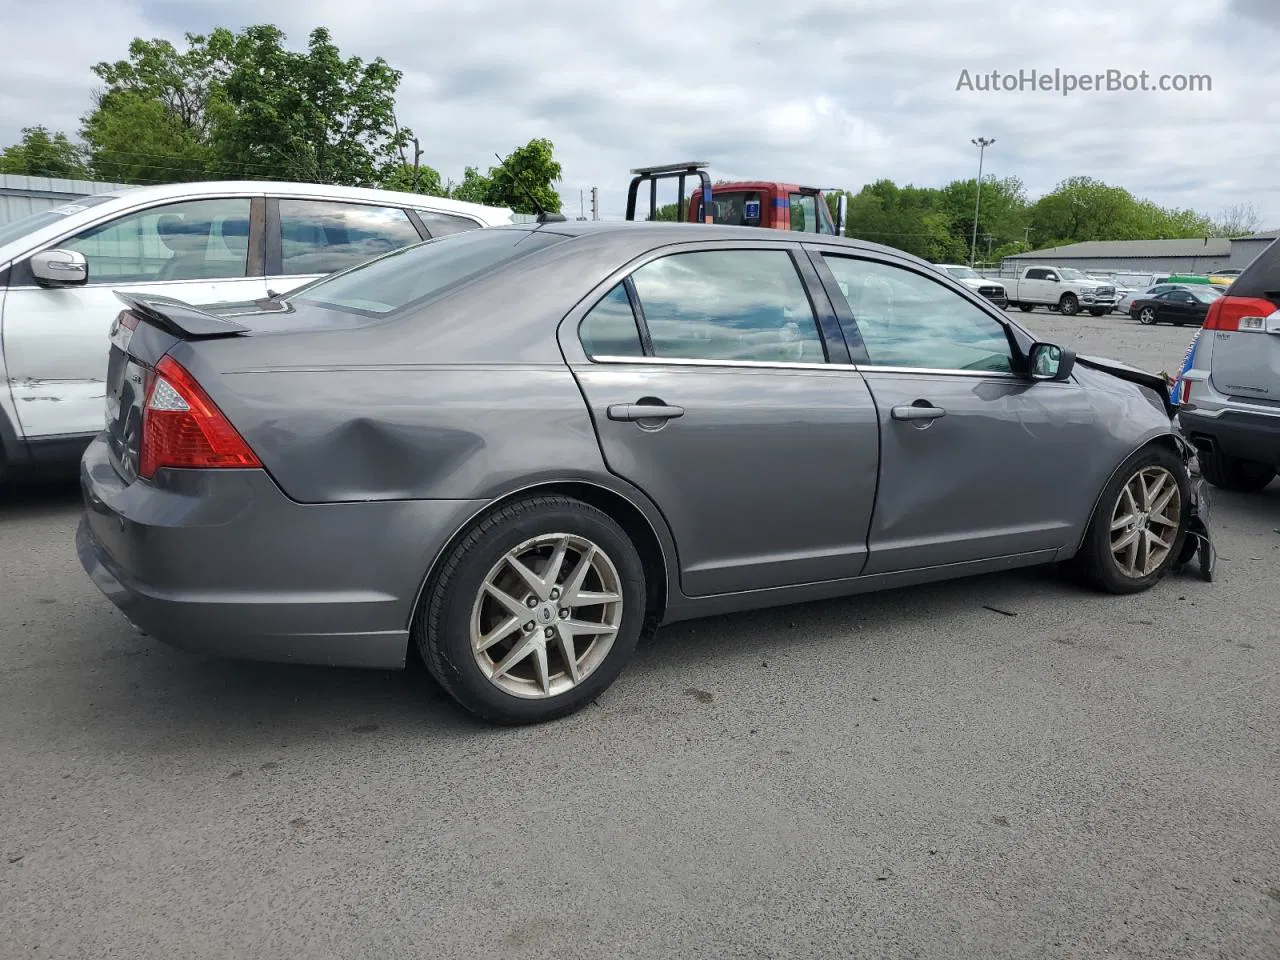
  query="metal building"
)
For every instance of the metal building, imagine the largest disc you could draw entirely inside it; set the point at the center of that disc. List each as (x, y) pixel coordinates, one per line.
(1203, 255)
(20, 196)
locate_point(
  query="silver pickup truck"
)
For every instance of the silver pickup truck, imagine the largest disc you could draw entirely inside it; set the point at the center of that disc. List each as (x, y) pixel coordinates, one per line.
(1065, 289)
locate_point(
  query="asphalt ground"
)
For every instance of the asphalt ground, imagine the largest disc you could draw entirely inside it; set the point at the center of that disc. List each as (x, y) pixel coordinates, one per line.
(1000, 767)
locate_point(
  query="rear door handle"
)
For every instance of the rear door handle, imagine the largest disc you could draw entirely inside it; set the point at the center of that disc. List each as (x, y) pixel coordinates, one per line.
(644, 411)
(920, 412)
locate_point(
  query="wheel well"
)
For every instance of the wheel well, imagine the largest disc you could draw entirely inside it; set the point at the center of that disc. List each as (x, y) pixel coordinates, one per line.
(1163, 440)
(621, 510)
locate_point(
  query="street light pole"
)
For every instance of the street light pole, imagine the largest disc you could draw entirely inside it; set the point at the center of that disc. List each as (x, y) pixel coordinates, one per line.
(981, 143)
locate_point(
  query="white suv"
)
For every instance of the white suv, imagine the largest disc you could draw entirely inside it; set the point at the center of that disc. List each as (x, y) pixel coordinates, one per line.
(203, 243)
(1230, 397)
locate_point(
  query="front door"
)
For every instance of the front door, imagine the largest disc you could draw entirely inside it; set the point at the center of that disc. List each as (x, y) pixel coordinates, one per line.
(715, 397)
(976, 462)
(55, 340)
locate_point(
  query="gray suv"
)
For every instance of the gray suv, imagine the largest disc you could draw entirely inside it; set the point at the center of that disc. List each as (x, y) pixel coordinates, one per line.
(1230, 402)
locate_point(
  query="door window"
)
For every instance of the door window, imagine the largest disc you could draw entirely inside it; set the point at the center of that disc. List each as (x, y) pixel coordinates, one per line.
(194, 240)
(610, 330)
(324, 236)
(443, 224)
(804, 213)
(728, 305)
(909, 320)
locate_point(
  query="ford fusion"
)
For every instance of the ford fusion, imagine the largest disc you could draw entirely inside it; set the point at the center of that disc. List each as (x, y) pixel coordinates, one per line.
(518, 450)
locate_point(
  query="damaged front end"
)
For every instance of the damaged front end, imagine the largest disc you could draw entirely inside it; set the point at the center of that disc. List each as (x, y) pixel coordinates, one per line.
(1198, 545)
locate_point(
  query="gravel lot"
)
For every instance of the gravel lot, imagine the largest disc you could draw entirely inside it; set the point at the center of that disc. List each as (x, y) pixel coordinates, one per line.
(996, 768)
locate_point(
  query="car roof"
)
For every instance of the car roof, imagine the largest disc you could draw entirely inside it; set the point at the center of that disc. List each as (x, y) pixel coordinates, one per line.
(325, 191)
(656, 232)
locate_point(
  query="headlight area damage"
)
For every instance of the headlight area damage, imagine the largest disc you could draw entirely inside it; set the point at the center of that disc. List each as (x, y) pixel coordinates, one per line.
(1198, 545)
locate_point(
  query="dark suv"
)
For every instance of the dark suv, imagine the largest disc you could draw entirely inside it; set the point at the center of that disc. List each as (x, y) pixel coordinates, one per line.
(1230, 398)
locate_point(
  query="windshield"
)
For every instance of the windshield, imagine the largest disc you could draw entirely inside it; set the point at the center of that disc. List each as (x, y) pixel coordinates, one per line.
(964, 273)
(44, 218)
(1071, 273)
(411, 274)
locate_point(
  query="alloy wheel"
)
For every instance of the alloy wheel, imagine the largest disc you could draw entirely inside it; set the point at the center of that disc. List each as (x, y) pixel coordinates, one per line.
(1145, 522)
(1147, 316)
(546, 616)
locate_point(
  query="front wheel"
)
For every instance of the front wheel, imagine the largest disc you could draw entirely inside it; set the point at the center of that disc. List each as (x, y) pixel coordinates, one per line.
(1026, 307)
(535, 612)
(1098, 311)
(1147, 316)
(1140, 523)
(1069, 305)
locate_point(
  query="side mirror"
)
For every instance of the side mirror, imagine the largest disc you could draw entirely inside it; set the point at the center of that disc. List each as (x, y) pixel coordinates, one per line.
(1048, 361)
(1052, 278)
(60, 268)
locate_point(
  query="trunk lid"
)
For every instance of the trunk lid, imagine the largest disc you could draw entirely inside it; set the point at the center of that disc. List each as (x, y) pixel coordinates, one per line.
(1245, 326)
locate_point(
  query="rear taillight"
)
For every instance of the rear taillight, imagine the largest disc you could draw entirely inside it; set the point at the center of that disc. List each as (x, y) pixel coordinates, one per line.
(183, 428)
(1238, 313)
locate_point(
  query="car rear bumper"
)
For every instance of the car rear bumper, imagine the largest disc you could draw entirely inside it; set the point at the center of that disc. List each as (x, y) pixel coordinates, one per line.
(1248, 436)
(221, 562)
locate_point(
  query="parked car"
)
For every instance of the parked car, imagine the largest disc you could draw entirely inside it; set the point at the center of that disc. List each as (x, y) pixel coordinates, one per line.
(993, 290)
(1065, 289)
(200, 242)
(1178, 305)
(1230, 405)
(517, 449)
(1125, 302)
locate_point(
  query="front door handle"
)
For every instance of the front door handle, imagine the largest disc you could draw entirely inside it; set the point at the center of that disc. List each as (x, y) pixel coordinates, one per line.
(644, 411)
(918, 411)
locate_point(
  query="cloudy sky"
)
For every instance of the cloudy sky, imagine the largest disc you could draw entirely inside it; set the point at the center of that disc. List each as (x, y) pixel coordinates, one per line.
(826, 92)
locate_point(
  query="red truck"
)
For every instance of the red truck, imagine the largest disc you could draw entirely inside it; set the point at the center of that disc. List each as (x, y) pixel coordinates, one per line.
(754, 203)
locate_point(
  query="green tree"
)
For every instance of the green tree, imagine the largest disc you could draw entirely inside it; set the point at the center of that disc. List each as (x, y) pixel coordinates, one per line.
(43, 154)
(474, 187)
(532, 168)
(1083, 208)
(425, 180)
(311, 116)
(155, 120)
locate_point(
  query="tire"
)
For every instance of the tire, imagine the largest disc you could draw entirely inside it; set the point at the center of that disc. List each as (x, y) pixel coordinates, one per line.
(1069, 305)
(1026, 307)
(1097, 563)
(1232, 473)
(442, 627)
(1097, 312)
(1147, 316)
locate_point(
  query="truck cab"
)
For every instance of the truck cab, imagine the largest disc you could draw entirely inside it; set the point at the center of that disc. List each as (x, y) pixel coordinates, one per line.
(755, 203)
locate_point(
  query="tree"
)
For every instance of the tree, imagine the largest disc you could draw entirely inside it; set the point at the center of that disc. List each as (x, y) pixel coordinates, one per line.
(532, 168)
(1082, 208)
(311, 116)
(1237, 220)
(156, 119)
(43, 154)
(421, 179)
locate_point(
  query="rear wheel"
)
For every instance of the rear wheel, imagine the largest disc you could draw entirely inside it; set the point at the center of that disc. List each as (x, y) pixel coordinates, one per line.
(1026, 307)
(1069, 305)
(1232, 473)
(1137, 531)
(535, 612)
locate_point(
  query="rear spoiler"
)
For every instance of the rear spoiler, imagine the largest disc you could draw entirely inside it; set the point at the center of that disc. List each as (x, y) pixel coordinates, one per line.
(1125, 372)
(179, 319)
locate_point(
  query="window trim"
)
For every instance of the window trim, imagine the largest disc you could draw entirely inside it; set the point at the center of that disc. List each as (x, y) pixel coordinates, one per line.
(274, 259)
(824, 317)
(857, 346)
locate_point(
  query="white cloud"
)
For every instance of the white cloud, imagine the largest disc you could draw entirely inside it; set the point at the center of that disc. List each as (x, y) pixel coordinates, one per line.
(820, 92)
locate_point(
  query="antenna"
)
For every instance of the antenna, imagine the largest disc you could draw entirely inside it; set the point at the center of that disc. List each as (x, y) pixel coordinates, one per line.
(543, 216)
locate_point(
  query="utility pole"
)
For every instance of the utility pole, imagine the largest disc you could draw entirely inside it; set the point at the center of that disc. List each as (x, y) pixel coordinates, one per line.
(417, 157)
(981, 143)
(582, 209)
(595, 203)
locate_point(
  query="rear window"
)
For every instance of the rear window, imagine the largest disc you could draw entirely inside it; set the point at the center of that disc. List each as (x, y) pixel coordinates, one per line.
(410, 275)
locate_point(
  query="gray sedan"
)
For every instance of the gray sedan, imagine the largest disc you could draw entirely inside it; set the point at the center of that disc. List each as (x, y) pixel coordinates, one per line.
(517, 450)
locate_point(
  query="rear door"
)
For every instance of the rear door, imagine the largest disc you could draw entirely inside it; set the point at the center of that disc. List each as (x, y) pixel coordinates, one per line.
(720, 386)
(311, 238)
(201, 251)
